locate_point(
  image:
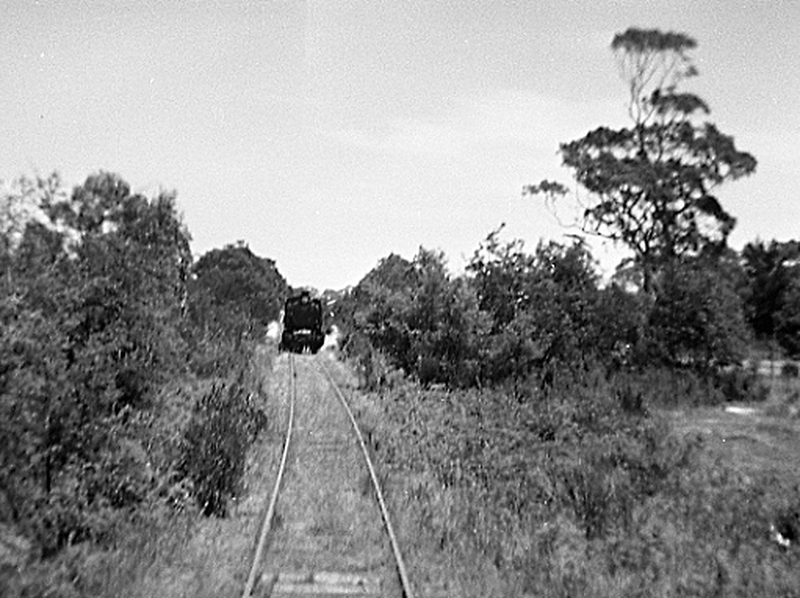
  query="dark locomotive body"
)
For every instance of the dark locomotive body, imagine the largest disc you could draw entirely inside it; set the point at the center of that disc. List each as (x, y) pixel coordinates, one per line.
(302, 324)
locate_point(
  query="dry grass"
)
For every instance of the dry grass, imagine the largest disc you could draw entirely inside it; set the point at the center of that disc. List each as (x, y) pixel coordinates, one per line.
(706, 530)
(764, 440)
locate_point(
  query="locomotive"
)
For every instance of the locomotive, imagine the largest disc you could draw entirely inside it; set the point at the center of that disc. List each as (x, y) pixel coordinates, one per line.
(302, 324)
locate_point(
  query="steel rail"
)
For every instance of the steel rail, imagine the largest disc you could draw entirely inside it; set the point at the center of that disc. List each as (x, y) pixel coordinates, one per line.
(401, 568)
(265, 528)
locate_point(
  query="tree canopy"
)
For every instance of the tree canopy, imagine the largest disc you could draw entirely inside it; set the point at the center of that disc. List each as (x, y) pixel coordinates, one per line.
(237, 278)
(98, 319)
(771, 291)
(652, 185)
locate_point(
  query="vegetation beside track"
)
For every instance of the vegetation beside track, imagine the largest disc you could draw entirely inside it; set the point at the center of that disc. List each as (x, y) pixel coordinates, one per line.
(532, 426)
(568, 493)
(130, 383)
(517, 409)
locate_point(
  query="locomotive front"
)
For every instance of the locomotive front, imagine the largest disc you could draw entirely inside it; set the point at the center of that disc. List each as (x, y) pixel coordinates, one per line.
(302, 324)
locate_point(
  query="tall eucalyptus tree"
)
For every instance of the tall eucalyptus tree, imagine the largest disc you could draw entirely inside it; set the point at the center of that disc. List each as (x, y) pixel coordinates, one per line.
(652, 185)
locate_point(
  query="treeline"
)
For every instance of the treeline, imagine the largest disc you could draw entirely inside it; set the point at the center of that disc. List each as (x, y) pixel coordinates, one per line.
(516, 407)
(515, 410)
(127, 376)
(514, 315)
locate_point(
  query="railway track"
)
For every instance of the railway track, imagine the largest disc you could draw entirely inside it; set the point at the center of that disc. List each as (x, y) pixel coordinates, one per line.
(326, 530)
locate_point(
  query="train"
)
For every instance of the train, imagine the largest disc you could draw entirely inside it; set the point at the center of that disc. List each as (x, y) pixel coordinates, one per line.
(302, 324)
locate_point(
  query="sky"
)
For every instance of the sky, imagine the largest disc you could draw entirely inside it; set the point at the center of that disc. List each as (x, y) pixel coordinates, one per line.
(329, 134)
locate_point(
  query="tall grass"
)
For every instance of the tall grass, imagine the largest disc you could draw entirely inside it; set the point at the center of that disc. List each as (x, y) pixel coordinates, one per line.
(579, 490)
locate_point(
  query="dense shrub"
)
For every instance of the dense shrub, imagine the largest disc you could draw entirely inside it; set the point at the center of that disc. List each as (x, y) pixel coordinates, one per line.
(697, 319)
(424, 322)
(664, 387)
(788, 318)
(740, 384)
(234, 278)
(510, 315)
(515, 314)
(223, 424)
(620, 326)
(542, 307)
(103, 334)
(771, 291)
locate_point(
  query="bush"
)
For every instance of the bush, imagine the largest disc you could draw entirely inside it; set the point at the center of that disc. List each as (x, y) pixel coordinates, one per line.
(577, 489)
(103, 330)
(741, 385)
(697, 319)
(412, 316)
(671, 388)
(224, 423)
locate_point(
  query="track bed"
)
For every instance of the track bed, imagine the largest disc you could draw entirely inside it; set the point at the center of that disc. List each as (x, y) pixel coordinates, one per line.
(327, 537)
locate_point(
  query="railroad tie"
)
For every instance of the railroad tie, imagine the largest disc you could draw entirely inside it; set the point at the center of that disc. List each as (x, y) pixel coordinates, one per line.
(322, 584)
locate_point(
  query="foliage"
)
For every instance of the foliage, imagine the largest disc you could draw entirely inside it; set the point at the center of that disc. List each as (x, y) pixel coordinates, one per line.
(90, 305)
(670, 388)
(515, 314)
(541, 306)
(413, 312)
(572, 492)
(697, 319)
(96, 320)
(620, 328)
(224, 423)
(788, 318)
(232, 296)
(651, 185)
(772, 277)
(512, 313)
(235, 278)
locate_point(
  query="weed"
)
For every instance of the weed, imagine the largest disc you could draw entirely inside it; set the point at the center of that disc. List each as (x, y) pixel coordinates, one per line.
(224, 423)
(581, 489)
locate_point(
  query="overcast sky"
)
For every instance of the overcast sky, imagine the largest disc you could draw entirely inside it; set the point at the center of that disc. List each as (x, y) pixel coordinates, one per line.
(327, 134)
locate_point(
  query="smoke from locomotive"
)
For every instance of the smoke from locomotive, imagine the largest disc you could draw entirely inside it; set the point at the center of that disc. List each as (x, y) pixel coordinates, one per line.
(302, 324)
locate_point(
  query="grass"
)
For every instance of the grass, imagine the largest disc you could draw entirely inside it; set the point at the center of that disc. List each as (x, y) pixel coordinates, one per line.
(566, 495)
(574, 497)
(753, 444)
(762, 439)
